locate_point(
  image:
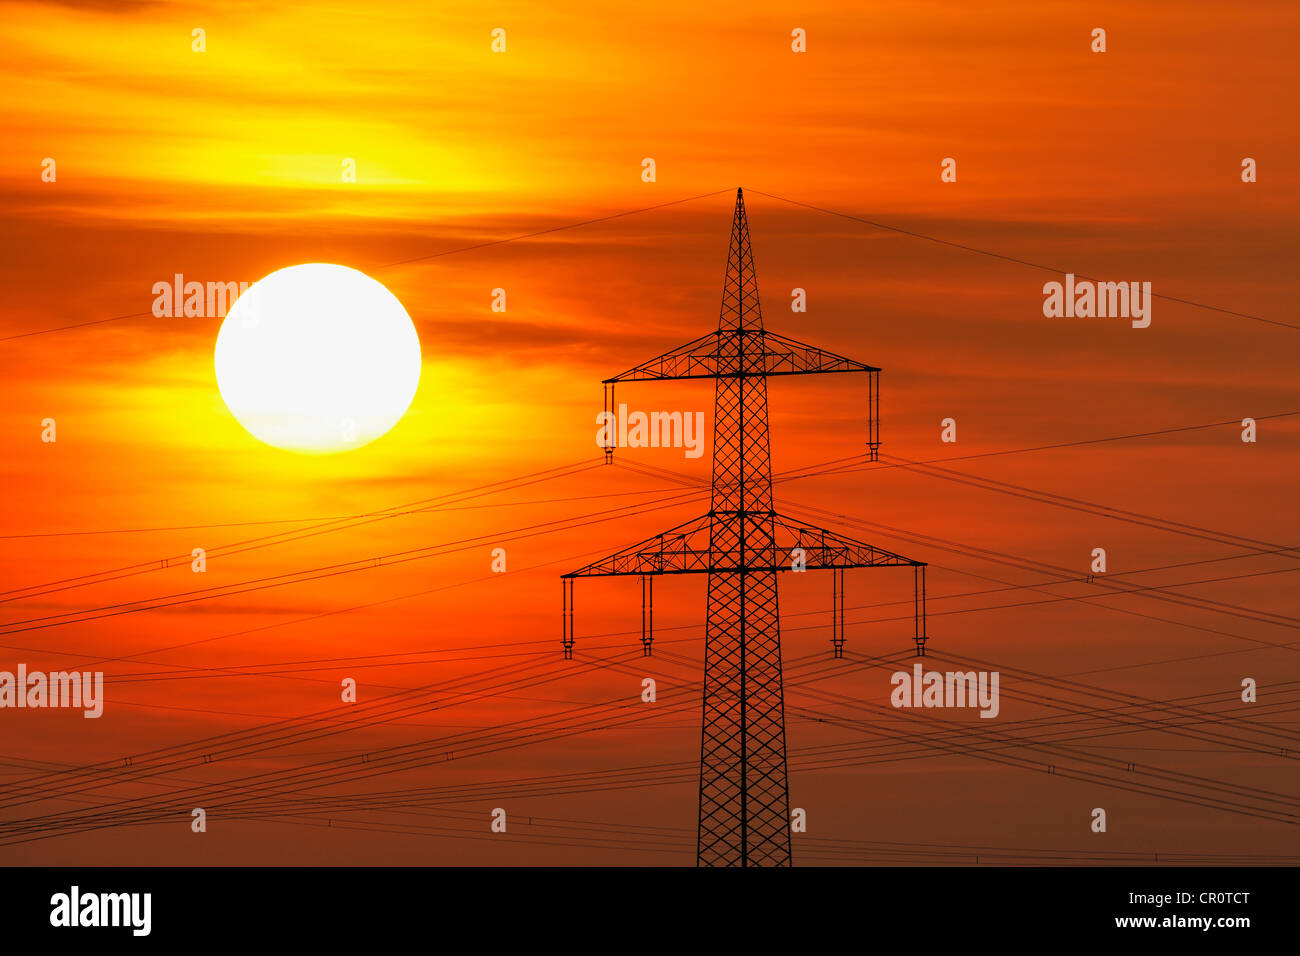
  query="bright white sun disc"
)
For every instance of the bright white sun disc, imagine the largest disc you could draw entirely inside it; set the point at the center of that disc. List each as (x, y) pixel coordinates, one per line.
(317, 358)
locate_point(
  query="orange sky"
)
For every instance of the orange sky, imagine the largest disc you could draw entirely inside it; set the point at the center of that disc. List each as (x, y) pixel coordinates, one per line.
(225, 165)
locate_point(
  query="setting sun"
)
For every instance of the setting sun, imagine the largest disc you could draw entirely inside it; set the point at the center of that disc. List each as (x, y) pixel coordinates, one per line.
(317, 358)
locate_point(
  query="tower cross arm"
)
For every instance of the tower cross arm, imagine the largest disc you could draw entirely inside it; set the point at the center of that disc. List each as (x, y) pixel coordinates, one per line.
(696, 359)
(680, 550)
(786, 356)
(712, 356)
(819, 549)
(793, 545)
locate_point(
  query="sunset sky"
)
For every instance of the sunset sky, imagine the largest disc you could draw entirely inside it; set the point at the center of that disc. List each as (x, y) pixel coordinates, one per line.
(225, 165)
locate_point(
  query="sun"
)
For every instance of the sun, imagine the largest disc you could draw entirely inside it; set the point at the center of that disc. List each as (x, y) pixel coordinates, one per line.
(317, 358)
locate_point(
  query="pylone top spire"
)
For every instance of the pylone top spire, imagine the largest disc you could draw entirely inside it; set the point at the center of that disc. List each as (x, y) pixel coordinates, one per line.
(740, 306)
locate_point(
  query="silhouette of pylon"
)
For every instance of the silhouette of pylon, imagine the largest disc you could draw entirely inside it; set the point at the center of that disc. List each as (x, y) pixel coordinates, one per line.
(742, 543)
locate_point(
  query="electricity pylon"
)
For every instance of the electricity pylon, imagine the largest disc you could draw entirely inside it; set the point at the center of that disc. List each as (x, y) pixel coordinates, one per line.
(741, 544)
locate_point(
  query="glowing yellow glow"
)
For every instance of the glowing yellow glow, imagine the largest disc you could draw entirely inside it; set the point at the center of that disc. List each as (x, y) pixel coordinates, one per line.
(317, 358)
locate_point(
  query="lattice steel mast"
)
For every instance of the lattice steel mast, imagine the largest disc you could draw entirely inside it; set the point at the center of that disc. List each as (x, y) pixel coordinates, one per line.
(741, 544)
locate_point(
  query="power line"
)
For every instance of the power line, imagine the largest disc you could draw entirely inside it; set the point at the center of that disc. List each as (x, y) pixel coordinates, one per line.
(1155, 593)
(1090, 507)
(262, 786)
(327, 571)
(1014, 259)
(79, 325)
(545, 232)
(400, 262)
(297, 534)
(1050, 447)
(532, 502)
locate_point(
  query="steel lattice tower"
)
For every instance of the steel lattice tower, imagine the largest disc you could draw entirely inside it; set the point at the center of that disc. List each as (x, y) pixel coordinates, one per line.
(742, 543)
